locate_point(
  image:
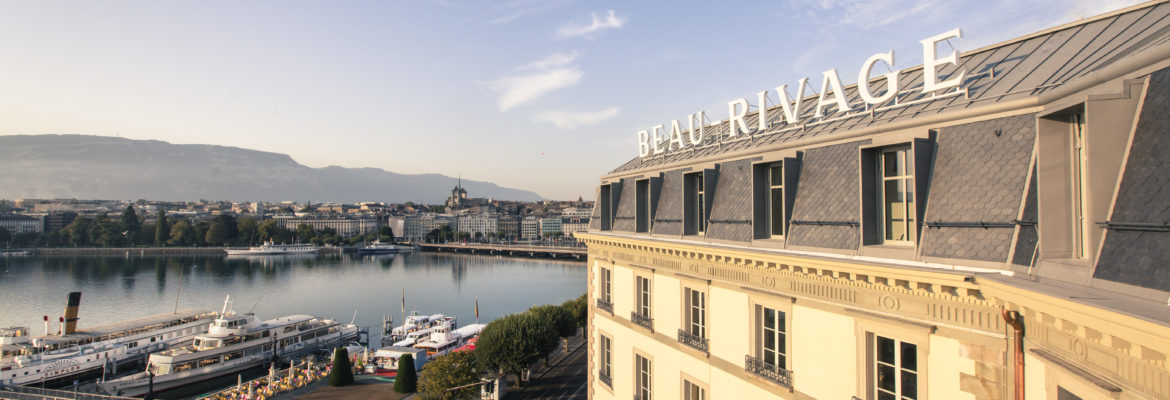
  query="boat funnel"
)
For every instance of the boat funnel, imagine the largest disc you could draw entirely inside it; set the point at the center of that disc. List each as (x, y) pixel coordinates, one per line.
(71, 312)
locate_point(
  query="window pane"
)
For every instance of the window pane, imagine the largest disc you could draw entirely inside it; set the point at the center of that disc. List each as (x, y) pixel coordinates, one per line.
(886, 378)
(895, 210)
(910, 229)
(769, 318)
(780, 321)
(891, 163)
(885, 350)
(909, 357)
(777, 211)
(886, 396)
(909, 385)
(769, 341)
(776, 174)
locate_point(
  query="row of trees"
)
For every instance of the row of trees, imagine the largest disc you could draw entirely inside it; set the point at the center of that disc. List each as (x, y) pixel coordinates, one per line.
(224, 230)
(507, 345)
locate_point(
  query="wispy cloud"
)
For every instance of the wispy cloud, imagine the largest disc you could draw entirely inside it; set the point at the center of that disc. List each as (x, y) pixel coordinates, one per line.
(545, 75)
(553, 60)
(570, 120)
(513, 10)
(588, 30)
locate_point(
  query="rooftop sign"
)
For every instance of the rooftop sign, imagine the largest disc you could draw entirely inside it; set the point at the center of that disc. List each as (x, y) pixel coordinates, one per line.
(830, 101)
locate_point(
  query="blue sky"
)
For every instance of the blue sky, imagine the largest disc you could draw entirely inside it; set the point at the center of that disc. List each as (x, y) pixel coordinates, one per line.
(544, 95)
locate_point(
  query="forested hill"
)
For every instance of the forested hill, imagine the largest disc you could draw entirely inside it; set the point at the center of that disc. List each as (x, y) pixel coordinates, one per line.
(99, 167)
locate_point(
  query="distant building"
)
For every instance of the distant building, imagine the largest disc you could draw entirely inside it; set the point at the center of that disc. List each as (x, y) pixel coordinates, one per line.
(509, 226)
(577, 212)
(397, 223)
(417, 226)
(16, 223)
(458, 195)
(530, 228)
(550, 226)
(345, 226)
(58, 220)
(478, 225)
(571, 225)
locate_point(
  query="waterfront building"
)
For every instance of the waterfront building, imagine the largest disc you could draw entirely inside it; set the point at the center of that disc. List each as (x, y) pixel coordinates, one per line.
(344, 225)
(530, 228)
(571, 225)
(397, 223)
(509, 226)
(478, 225)
(550, 226)
(17, 223)
(1001, 237)
(58, 220)
(417, 226)
(576, 212)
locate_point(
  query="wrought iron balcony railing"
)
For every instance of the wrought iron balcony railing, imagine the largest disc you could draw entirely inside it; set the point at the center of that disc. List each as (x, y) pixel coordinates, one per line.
(642, 320)
(770, 372)
(605, 305)
(694, 341)
(606, 379)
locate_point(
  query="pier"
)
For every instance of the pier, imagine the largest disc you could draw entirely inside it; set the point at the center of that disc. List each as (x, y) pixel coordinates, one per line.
(576, 253)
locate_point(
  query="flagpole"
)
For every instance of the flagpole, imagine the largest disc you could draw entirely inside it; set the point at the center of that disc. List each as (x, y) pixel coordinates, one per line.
(404, 307)
(477, 310)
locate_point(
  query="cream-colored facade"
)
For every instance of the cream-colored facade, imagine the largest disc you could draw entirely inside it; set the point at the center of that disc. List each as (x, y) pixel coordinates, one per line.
(1064, 298)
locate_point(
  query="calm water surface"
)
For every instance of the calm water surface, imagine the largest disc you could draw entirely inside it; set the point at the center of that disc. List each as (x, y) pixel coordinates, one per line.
(330, 285)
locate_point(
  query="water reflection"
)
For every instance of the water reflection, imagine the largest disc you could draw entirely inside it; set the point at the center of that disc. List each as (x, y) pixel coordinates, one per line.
(329, 285)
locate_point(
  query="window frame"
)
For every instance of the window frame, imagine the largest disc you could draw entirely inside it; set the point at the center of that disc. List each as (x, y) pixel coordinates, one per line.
(756, 302)
(644, 299)
(643, 385)
(899, 366)
(606, 283)
(605, 357)
(906, 179)
(868, 329)
(688, 380)
(694, 204)
(689, 324)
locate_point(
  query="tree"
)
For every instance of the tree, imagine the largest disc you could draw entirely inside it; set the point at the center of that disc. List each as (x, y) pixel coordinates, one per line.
(130, 222)
(579, 309)
(161, 229)
(342, 373)
(249, 229)
(407, 379)
(305, 233)
(512, 343)
(78, 231)
(446, 372)
(386, 233)
(223, 231)
(181, 233)
(559, 317)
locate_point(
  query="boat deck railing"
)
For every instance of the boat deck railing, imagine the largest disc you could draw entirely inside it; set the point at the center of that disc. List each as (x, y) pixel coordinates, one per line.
(31, 393)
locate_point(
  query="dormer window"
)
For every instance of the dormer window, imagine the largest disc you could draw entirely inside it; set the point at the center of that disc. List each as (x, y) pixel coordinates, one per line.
(897, 211)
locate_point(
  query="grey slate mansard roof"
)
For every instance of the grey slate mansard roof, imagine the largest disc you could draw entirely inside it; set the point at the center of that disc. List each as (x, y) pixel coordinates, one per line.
(1021, 68)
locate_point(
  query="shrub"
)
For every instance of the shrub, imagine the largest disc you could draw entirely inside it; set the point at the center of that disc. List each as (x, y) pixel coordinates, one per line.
(342, 373)
(407, 379)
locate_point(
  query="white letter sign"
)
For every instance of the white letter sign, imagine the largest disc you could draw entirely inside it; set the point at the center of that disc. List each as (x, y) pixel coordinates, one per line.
(735, 118)
(891, 79)
(930, 63)
(831, 81)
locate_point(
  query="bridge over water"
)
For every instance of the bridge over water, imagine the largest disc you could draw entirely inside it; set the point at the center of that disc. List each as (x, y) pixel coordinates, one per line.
(577, 253)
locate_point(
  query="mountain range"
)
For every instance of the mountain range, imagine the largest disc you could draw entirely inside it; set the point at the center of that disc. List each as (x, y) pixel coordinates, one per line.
(101, 167)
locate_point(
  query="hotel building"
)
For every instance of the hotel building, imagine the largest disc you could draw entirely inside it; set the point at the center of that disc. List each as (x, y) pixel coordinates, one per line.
(1006, 237)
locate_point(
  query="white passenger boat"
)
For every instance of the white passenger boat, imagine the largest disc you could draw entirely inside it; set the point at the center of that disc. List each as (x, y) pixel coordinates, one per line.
(418, 325)
(443, 340)
(383, 248)
(232, 344)
(269, 248)
(57, 360)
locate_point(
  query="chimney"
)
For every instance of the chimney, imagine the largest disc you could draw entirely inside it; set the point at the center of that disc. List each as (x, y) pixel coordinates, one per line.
(71, 312)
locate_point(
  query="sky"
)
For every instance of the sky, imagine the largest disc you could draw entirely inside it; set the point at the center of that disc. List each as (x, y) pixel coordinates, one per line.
(542, 95)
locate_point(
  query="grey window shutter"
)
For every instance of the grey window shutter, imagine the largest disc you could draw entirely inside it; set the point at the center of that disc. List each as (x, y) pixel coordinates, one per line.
(791, 184)
(710, 185)
(759, 205)
(923, 164)
(869, 202)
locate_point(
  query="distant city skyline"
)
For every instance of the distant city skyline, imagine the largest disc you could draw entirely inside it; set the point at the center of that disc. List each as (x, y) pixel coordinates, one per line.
(543, 95)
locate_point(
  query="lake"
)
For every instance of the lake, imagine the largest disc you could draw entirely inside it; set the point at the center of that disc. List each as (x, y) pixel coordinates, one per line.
(116, 288)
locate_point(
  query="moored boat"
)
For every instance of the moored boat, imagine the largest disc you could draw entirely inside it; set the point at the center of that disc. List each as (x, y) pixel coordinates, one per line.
(382, 248)
(233, 343)
(56, 360)
(269, 248)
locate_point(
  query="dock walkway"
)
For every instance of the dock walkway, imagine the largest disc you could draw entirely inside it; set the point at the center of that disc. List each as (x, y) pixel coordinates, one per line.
(577, 253)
